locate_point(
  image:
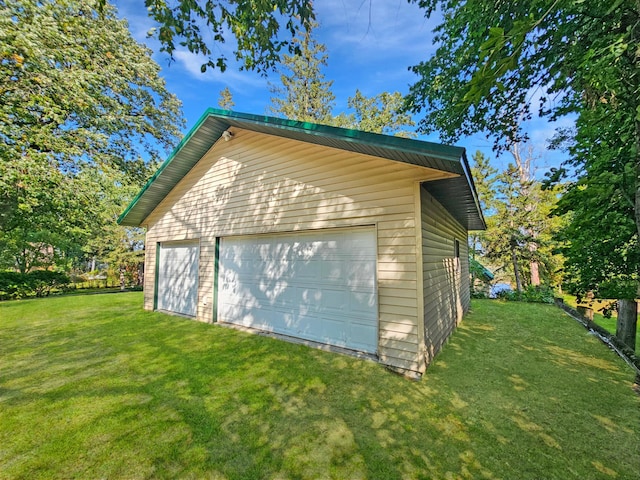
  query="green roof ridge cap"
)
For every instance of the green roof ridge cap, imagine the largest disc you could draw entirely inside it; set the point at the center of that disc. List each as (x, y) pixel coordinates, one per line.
(445, 152)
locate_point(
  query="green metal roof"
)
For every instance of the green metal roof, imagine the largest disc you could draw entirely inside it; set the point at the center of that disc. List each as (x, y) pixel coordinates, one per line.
(457, 194)
(484, 271)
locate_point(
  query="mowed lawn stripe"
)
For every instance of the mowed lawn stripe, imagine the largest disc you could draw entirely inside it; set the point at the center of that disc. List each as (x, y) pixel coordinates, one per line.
(95, 387)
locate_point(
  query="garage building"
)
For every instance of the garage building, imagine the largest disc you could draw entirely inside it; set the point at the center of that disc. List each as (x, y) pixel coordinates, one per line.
(333, 236)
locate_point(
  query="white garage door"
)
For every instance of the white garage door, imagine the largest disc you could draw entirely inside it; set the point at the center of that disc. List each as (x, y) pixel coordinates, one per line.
(178, 278)
(319, 286)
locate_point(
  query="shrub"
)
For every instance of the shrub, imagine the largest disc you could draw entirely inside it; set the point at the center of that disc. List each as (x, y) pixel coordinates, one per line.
(12, 285)
(43, 281)
(479, 294)
(38, 283)
(531, 294)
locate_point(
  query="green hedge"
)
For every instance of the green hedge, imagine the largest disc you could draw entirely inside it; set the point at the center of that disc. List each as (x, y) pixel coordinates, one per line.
(531, 294)
(38, 283)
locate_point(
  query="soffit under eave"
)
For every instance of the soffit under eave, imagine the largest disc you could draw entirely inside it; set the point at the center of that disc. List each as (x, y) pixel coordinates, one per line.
(457, 197)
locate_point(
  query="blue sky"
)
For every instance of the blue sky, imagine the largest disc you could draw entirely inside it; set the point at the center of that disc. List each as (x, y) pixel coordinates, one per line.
(370, 44)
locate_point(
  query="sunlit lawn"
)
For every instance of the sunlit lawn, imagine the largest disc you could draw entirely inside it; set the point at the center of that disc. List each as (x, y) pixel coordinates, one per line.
(94, 387)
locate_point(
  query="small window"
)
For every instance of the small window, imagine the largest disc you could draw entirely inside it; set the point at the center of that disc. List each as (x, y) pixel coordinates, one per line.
(456, 248)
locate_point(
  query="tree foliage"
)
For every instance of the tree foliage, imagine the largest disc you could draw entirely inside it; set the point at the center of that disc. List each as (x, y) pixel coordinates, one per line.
(258, 31)
(225, 101)
(519, 231)
(80, 98)
(493, 59)
(381, 113)
(601, 240)
(304, 94)
(75, 85)
(576, 57)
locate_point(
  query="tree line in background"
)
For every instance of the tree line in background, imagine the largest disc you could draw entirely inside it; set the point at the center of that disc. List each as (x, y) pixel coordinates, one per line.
(519, 241)
(85, 117)
(305, 95)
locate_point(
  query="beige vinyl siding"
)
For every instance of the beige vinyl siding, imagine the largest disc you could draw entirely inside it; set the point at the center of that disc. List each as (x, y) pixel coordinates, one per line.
(259, 183)
(445, 278)
(150, 251)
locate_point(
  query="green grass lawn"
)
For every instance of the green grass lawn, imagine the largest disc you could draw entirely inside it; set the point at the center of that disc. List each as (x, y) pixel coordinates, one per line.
(94, 387)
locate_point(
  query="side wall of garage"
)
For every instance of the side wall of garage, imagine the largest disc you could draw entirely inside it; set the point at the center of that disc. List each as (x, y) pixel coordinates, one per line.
(446, 276)
(257, 183)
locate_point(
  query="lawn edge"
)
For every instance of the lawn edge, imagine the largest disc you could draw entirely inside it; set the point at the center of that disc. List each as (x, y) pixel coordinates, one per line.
(604, 336)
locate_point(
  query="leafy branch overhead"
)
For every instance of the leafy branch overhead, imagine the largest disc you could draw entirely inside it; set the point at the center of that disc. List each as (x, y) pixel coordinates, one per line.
(258, 31)
(499, 63)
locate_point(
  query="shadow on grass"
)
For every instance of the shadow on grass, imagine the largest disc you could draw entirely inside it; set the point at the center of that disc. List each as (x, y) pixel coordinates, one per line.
(98, 388)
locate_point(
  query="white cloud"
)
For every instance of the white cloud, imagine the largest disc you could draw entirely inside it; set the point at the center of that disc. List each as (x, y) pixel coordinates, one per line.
(241, 80)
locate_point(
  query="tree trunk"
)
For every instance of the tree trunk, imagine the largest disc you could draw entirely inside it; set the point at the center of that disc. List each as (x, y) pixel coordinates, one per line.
(533, 264)
(535, 274)
(627, 320)
(122, 279)
(525, 174)
(516, 270)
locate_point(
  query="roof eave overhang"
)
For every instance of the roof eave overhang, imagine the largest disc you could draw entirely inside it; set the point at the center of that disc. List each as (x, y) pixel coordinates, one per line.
(459, 196)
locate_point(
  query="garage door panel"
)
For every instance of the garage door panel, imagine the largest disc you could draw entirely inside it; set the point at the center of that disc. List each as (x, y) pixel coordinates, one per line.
(308, 270)
(361, 273)
(332, 301)
(178, 279)
(332, 271)
(310, 285)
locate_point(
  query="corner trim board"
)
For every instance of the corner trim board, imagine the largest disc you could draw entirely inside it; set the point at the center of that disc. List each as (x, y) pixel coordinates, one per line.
(156, 275)
(216, 270)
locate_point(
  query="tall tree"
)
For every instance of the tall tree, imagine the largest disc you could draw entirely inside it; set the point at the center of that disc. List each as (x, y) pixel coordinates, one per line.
(507, 235)
(517, 212)
(381, 113)
(524, 167)
(121, 248)
(304, 94)
(601, 239)
(484, 176)
(491, 62)
(77, 91)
